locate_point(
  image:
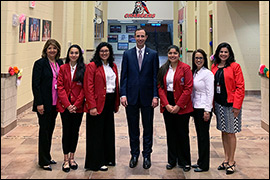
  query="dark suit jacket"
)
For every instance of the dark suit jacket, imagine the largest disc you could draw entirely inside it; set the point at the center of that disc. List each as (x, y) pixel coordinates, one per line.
(69, 92)
(42, 77)
(139, 84)
(95, 88)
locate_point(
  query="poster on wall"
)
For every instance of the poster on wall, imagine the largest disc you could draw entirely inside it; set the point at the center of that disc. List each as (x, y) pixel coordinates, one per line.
(131, 29)
(34, 29)
(115, 29)
(122, 46)
(123, 37)
(22, 32)
(112, 38)
(131, 39)
(46, 30)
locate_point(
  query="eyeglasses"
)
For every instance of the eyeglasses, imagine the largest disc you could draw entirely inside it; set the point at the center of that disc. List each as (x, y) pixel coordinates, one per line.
(199, 58)
(104, 51)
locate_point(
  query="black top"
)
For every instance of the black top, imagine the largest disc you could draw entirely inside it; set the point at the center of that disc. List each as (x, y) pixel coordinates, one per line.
(221, 98)
(42, 78)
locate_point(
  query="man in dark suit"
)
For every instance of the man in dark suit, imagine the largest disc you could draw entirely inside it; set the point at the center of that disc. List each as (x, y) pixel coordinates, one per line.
(139, 92)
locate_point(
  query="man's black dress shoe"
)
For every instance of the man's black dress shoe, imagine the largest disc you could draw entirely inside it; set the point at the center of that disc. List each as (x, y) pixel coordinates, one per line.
(53, 162)
(199, 170)
(169, 166)
(146, 163)
(47, 168)
(133, 162)
(194, 165)
(186, 168)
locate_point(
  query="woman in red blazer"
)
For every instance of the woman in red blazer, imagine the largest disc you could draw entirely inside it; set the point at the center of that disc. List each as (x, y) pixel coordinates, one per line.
(70, 103)
(101, 87)
(175, 82)
(228, 99)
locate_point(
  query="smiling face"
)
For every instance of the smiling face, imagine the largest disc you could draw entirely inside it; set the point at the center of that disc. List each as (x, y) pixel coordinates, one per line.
(74, 54)
(224, 54)
(173, 56)
(51, 52)
(104, 53)
(140, 38)
(199, 60)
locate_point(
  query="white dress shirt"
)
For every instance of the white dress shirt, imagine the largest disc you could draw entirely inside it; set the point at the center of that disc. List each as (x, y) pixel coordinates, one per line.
(137, 51)
(72, 70)
(169, 79)
(110, 78)
(203, 89)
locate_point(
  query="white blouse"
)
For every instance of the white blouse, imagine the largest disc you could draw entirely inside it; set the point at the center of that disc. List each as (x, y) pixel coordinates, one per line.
(110, 78)
(72, 70)
(169, 79)
(203, 89)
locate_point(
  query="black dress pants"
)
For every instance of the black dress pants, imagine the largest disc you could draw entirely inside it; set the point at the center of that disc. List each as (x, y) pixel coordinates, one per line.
(46, 127)
(203, 138)
(71, 123)
(133, 118)
(100, 136)
(177, 130)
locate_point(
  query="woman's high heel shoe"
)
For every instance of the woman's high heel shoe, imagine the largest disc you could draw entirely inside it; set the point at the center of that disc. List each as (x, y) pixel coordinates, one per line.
(230, 169)
(222, 166)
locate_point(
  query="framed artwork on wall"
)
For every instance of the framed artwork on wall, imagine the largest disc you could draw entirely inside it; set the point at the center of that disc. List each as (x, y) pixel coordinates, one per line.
(46, 30)
(34, 29)
(22, 32)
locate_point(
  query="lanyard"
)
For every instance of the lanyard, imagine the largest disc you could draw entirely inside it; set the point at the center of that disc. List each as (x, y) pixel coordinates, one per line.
(54, 69)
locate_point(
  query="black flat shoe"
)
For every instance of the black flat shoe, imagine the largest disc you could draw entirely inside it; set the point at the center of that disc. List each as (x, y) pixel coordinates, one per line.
(53, 162)
(169, 166)
(186, 168)
(72, 166)
(194, 165)
(47, 168)
(146, 163)
(65, 166)
(133, 162)
(199, 170)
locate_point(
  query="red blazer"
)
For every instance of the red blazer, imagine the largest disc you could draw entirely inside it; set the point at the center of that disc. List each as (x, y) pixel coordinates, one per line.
(234, 82)
(68, 89)
(95, 88)
(182, 89)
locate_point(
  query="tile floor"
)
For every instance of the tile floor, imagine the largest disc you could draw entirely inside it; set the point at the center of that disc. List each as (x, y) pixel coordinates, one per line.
(19, 151)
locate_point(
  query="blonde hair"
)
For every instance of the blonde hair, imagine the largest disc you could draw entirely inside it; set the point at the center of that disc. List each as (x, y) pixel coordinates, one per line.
(54, 43)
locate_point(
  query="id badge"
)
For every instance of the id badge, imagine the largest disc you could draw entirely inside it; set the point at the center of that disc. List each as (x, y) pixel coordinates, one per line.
(55, 86)
(218, 89)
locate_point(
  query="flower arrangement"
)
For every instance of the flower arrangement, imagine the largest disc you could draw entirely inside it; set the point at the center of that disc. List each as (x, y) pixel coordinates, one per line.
(15, 71)
(263, 71)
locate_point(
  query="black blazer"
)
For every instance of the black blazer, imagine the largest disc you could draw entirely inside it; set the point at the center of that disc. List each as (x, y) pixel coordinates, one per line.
(42, 77)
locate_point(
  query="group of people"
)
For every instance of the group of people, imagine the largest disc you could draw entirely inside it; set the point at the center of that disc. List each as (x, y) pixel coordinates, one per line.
(75, 87)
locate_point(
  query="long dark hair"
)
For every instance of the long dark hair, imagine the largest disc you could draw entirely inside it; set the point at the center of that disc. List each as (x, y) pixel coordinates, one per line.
(98, 60)
(164, 68)
(205, 64)
(80, 63)
(231, 54)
